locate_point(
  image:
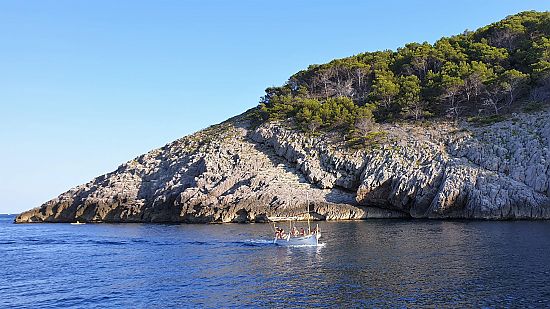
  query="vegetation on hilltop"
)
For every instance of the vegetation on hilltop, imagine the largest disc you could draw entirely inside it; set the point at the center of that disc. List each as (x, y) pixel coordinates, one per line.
(491, 71)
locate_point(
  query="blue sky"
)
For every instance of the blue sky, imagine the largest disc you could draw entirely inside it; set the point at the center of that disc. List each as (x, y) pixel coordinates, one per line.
(88, 85)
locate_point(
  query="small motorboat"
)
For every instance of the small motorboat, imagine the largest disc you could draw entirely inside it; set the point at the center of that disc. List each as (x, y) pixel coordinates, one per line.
(309, 237)
(77, 223)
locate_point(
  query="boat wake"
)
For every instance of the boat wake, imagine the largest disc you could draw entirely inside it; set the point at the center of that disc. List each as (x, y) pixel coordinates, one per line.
(255, 242)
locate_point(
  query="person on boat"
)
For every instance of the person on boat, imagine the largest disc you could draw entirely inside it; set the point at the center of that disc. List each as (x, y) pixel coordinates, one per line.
(278, 232)
(282, 234)
(302, 232)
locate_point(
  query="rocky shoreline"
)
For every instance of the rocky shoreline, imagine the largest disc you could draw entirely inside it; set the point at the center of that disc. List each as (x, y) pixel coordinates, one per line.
(236, 172)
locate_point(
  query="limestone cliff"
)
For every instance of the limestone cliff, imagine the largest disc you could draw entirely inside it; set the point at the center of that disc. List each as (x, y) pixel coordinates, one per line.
(235, 172)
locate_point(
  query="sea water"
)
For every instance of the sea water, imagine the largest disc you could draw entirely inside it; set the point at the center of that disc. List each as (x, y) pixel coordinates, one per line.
(373, 263)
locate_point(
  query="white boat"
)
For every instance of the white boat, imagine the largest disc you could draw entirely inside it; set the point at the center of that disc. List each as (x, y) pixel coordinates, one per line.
(307, 237)
(308, 240)
(77, 223)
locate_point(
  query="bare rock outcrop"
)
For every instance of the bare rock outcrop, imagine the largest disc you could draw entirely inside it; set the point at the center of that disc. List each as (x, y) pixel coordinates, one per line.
(234, 172)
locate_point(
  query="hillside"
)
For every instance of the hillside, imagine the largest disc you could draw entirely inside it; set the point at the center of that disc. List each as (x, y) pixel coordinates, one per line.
(495, 70)
(457, 129)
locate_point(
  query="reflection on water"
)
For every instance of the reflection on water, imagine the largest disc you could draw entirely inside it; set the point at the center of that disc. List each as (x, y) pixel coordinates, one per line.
(376, 263)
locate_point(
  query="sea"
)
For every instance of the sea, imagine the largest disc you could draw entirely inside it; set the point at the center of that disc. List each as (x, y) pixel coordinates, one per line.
(358, 264)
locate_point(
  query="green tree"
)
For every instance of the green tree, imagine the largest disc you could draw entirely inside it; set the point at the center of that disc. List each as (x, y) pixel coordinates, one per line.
(476, 74)
(409, 95)
(512, 83)
(385, 88)
(451, 89)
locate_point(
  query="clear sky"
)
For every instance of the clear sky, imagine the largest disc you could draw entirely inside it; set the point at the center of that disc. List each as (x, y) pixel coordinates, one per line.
(88, 85)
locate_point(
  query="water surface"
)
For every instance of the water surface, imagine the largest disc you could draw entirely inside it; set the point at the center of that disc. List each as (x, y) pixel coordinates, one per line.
(376, 263)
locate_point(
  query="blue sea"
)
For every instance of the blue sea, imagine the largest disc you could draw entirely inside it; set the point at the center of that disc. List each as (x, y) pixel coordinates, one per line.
(373, 263)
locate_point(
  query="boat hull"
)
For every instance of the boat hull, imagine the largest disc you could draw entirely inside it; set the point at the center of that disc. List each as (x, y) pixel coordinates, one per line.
(310, 240)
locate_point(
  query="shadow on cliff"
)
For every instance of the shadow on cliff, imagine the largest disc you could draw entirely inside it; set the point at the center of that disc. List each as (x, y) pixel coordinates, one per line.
(336, 195)
(160, 199)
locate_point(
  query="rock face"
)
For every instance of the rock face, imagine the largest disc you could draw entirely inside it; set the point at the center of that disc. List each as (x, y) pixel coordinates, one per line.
(234, 172)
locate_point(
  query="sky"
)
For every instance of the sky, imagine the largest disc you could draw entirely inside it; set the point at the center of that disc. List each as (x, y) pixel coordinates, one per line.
(86, 85)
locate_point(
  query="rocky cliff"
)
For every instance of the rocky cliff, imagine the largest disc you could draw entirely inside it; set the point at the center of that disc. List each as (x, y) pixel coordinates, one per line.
(236, 172)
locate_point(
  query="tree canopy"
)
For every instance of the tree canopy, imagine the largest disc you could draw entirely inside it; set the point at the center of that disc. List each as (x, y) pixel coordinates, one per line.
(485, 72)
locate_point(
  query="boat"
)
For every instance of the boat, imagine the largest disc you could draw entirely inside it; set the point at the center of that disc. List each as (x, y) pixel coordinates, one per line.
(294, 237)
(309, 239)
(77, 223)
